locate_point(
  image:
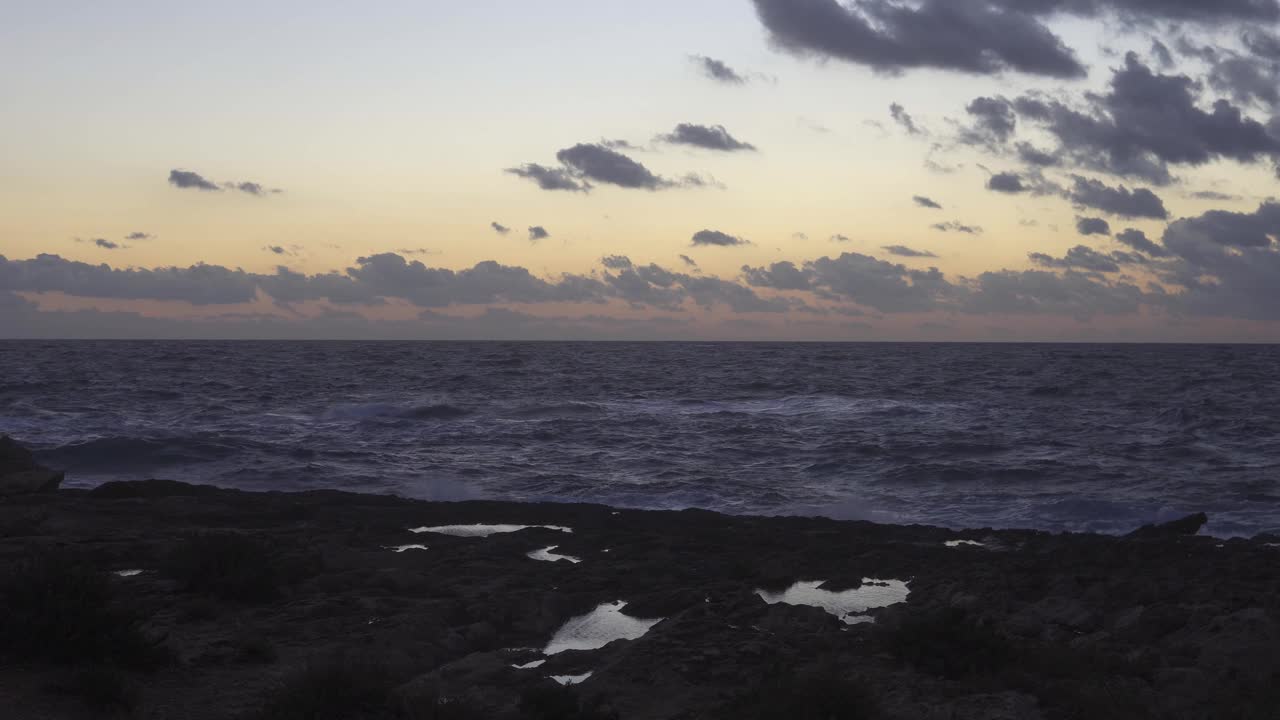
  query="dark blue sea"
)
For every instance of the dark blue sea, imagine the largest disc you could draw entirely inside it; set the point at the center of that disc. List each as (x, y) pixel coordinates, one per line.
(1059, 437)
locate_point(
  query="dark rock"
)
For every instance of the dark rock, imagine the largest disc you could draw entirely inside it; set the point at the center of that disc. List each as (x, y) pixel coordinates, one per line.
(122, 489)
(26, 482)
(14, 457)
(1189, 525)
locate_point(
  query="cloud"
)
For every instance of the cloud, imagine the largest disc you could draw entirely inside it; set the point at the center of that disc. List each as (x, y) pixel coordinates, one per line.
(1039, 292)
(841, 238)
(1147, 122)
(905, 121)
(718, 70)
(713, 137)
(994, 122)
(1010, 183)
(716, 238)
(499, 228)
(1139, 241)
(410, 251)
(549, 178)
(136, 236)
(1092, 226)
(953, 226)
(983, 38)
(862, 279)
(1227, 264)
(1214, 195)
(106, 244)
(904, 251)
(537, 232)
(688, 261)
(277, 249)
(1031, 155)
(1079, 257)
(1121, 201)
(925, 202)
(187, 180)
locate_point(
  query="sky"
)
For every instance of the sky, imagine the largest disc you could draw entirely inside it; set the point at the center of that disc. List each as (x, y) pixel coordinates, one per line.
(952, 170)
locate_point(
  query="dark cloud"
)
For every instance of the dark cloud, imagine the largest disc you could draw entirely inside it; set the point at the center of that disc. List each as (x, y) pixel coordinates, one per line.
(1147, 122)
(841, 238)
(778, 276)
(884, 286)
(1078, 258)
(537, 232)
(277, 249)
(136, 236)
(925, 202)
(713, 137)
(1092, 226)
(106, 244)
(499, 228)
(252, 188)
(599, 163)
(904, 251)
(904, 120)
(953, 226)
(688, 261)
(1247, 79)
(994, 122)
(1227, 264)
(974, 37)
(1162, 54)
(1139, 241)
(549, 178)
(716, 238)
(1031, 155)
(718, 70)
(1121, 201)
(1005, 182)
(187, 180)
(1040, 292)
(619, 144)
(1214, 195)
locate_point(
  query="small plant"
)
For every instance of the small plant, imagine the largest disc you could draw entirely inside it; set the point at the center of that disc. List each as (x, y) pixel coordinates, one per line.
(228, 566)
(102, 689)
(55, 608)
(343, 687)
(819, 693)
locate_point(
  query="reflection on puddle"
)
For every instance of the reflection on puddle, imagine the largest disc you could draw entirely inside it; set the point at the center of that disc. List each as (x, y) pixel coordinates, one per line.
(966, 543)
(848, 605)
(571, 679)
(529, 665)
(483, 530)
(402, 548)
(598, 628)
(546, 555)
(128, 573)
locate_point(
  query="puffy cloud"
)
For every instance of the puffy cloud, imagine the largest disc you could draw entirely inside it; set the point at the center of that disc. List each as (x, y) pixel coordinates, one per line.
(1139, 241)
(599, 163)
(1147, 122)
(1079, 257)
(1031, 155)
(716, 238)
(973, 37)
(185, 179)
(904, 251)
(778, 276)
(1009, 183)
(1040, 292)
(994, 122)
(537, 232)
(904, 120)
(549, 178)
(718, 70)
(1121, 201)
(106, 244)
(925, 202)
(1092, 226)
(953, 226)
(1226, 263)
(713, 137)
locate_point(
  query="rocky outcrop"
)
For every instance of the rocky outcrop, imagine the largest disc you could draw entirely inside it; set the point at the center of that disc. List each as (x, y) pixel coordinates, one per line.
(20, 474)
(1189, 525)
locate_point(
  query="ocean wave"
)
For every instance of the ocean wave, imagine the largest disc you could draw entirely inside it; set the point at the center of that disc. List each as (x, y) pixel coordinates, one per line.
(373, 411)
(116, 453)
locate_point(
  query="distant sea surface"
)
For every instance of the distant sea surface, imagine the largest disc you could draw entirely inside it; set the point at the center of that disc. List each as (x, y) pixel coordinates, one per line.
(1058, 437)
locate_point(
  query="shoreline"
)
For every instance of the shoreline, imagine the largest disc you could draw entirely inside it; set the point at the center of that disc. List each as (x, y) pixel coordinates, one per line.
(1026, 624)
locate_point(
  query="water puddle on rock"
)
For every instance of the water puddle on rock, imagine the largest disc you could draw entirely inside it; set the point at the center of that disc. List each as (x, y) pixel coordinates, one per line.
(483, 530)
(545, 555)
(848, 605)
(598, 628)
(404, 548)
(571, 679)
(128, 573)
(964, 543)
(529, 665)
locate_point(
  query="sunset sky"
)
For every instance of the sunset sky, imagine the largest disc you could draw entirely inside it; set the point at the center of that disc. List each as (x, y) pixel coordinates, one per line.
(726, 169)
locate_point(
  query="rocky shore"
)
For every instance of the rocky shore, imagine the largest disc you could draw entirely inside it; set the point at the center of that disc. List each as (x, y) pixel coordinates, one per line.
(158, 599)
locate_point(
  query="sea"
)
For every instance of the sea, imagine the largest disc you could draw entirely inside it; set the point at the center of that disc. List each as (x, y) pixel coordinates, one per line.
(1099, 438)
